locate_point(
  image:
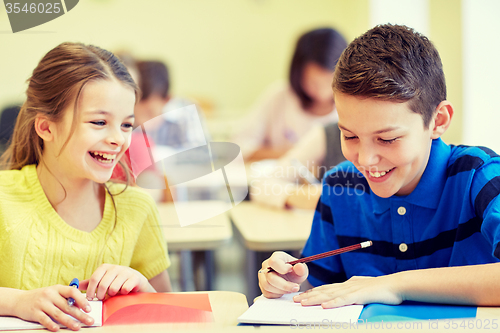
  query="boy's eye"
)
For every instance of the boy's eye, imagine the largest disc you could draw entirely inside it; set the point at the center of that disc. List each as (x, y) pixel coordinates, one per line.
(98, 122)
(388, 141)
(349, 137)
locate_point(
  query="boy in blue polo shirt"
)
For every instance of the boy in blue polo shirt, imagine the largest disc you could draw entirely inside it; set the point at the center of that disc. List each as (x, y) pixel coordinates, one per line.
(431, 210)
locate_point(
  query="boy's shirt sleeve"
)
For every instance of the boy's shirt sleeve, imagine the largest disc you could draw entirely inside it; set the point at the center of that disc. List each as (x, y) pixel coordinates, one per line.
(485, 197)
(323, 238)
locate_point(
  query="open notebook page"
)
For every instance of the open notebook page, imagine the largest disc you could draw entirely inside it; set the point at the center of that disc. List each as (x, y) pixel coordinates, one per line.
(284, 311)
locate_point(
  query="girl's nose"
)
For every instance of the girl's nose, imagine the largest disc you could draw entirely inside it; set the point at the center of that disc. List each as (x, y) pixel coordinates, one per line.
(116, 137)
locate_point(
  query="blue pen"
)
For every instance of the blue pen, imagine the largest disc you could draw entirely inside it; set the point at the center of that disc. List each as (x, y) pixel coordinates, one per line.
(74, 283)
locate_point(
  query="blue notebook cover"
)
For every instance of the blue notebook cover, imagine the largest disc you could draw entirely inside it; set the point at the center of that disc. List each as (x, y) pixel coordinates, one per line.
(415, 311)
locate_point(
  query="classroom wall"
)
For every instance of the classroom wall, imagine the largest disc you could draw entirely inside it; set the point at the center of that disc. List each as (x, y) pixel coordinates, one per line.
(445, 31)
(481, 71)
(225, 51)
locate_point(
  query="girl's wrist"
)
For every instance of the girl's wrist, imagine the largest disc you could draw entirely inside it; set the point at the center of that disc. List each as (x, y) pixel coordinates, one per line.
(9, 308)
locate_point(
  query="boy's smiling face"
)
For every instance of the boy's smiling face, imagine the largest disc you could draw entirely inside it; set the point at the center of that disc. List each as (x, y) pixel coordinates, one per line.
(386, 141)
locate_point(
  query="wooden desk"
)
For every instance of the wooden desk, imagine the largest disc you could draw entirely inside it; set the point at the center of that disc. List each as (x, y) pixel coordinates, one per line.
(268, 229)
(271, 229)
(205, 236)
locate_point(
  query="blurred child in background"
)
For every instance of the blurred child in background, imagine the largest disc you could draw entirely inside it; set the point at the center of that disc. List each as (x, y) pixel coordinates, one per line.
(287, 112)
(294, 181)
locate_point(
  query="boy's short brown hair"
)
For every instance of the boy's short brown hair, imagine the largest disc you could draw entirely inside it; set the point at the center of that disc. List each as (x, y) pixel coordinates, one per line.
(396, 63)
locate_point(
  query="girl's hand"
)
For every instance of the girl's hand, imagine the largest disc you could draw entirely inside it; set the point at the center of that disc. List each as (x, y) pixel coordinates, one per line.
(113, 280)
(40, 305)
(356, 290)
(285, 279)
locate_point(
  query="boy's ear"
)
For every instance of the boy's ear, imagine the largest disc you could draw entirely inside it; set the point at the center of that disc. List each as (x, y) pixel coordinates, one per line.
(442, 119)
(44, 128)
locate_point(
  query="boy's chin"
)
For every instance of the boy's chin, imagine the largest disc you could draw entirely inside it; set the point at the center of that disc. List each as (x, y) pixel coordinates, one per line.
(383, 193)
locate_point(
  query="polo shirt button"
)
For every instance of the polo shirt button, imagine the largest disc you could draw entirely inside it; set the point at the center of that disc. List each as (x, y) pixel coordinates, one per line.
(401, 210)
(403, 247)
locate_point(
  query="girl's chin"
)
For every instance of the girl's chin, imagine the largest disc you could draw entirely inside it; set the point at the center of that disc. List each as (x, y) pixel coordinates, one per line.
(102, 178)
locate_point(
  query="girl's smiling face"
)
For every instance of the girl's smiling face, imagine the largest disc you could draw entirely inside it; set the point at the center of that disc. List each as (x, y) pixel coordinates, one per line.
(386, 141)
(101, 134)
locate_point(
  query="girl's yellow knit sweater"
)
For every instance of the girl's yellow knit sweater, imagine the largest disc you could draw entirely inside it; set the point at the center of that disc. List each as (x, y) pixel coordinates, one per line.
(38, 249)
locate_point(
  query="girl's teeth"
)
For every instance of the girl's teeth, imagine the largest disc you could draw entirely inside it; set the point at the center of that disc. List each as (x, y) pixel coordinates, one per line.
(106, 158)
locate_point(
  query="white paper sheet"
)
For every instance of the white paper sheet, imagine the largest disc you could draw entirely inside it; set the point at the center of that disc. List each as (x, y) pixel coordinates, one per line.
(284, 311)
(14, 323)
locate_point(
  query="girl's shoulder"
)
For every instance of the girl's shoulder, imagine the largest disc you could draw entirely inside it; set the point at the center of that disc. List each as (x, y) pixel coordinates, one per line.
(14, 180)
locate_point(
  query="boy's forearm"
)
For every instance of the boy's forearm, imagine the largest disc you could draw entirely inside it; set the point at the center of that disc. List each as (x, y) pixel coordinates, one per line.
(8, 297)
(475, 285)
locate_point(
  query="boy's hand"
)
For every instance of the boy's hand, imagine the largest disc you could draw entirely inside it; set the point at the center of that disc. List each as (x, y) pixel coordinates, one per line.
(285, 279)
(356, 290)
(113, 280)
(40, 305)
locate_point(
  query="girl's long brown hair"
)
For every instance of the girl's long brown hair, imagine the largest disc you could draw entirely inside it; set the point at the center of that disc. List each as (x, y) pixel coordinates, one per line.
(57, 81)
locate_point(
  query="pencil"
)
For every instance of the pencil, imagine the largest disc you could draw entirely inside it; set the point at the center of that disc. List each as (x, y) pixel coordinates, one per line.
(328, 254)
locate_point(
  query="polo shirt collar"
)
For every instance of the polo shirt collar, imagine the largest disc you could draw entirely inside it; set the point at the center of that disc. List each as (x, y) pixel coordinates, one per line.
(430, 187)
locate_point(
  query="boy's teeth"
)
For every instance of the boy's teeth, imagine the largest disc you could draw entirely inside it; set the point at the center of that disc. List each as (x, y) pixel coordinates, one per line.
(378, 174)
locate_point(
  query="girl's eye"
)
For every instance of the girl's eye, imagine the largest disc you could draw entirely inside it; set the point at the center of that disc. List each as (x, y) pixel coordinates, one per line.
(388, 141)
(349, 137)
(127, 125)
(98, 123)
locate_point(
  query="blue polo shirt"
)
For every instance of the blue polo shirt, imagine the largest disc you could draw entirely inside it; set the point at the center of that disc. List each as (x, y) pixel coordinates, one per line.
(452, 218)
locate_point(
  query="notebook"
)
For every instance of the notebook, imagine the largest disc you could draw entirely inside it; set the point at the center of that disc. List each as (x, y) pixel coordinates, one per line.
(284, 311)
(137, 308)
(411, 311)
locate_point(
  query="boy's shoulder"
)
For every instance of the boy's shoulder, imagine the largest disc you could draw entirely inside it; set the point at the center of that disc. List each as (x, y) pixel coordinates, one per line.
(470, 158)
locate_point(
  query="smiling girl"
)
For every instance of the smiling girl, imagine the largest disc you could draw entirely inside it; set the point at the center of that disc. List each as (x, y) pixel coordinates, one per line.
(59, 218)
